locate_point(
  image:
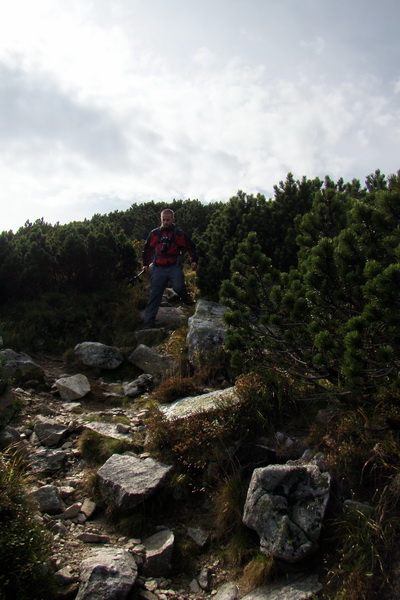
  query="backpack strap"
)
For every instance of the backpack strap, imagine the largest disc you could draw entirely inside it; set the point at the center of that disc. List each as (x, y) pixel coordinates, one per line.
(172, 239)
(175, 232)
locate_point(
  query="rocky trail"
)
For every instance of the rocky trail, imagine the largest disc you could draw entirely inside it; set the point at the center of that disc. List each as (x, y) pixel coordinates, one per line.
(68, 398)
(75, 533)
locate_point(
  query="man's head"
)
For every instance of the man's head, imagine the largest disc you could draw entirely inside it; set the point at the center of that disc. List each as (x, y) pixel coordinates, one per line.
(167, 217)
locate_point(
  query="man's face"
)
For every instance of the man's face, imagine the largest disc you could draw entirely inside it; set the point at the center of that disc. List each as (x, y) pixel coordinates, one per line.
(166, 220)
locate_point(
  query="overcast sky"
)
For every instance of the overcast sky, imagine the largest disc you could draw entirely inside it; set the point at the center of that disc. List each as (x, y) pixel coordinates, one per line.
(108, 102)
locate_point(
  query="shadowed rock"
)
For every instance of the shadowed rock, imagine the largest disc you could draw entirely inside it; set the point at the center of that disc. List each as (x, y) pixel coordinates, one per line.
(20, 366)
(94, 354)
(207, 332)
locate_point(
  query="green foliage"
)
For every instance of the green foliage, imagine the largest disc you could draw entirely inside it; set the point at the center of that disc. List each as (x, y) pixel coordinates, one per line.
(193, 442)
(24, 545)
(274, 222)
(335, 318)
(96, 448)
(55, 321)
(218, 246)
(80, 257)
(191, 215)
(190, 442)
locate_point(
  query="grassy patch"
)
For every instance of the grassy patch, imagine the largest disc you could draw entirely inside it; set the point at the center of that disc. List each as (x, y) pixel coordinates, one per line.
(96, 448)
(24, 544)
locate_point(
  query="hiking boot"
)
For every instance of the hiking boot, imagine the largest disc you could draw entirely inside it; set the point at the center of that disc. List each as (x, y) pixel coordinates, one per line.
(187, 299)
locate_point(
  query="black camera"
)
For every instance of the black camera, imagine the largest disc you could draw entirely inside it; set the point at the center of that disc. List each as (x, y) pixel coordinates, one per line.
(165, 244)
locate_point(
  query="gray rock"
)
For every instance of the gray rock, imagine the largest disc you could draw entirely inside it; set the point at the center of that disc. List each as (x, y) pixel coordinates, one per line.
(65, 577)
(47, 461)
(107, 575)
(196, 404)
(207, 332)
(204, 578)
(88, 508)
(48, 499)
(285, 505)
(151, 361)
(95, 354)
(109, 430)
(72, 511)
(125, 480)
(73, 387)
(20, 366)
(199, 536)
(303, 587)
(50, 432)
(123, 428)
(6, 401)
(8, 436)
(171, 317)
(228, 591)
(159, 548)
(137, 387)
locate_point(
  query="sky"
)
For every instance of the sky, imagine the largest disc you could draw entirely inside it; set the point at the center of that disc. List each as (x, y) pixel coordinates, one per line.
(105, 103)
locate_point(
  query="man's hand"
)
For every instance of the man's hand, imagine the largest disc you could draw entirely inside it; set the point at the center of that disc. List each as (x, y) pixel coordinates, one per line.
(145, 268)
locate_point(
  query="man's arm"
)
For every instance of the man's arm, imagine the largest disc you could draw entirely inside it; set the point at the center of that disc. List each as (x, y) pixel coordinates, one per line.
(147, 252)
(189, 245)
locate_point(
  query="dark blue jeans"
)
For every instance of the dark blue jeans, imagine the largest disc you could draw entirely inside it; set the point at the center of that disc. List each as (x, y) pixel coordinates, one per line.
(159, 281)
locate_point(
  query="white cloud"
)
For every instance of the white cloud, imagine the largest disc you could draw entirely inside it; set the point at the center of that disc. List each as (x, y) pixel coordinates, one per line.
(317, 45)
(204, 57)
(104, 105)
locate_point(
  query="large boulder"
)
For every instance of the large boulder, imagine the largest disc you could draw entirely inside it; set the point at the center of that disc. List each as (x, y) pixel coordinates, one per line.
(285, 505)
(95, 354)
(108, 574)
(20, 366)
(206, 332)
(125, 481)
(151, 361)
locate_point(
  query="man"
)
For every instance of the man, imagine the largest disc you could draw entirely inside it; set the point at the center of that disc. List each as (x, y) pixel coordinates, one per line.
(165, 246)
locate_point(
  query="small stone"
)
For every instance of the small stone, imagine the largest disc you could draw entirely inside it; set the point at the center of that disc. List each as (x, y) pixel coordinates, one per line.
(72, 511)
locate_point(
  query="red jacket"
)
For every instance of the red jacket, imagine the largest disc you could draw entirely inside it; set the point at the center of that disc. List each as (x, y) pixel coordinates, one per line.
(165, 247)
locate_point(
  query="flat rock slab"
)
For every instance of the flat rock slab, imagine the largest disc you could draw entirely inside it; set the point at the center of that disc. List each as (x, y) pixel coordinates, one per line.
(301, 588)
(197, 404)
(108, 430)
